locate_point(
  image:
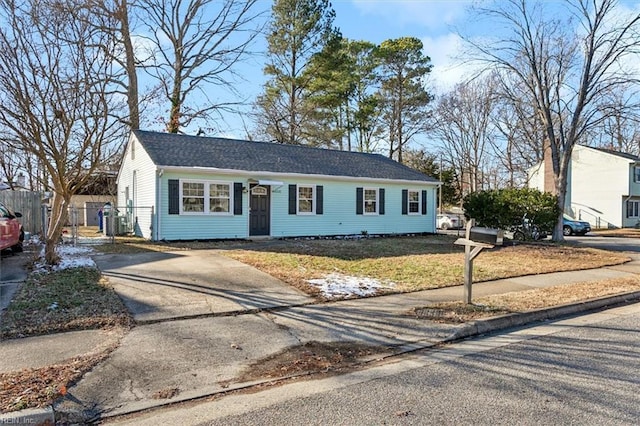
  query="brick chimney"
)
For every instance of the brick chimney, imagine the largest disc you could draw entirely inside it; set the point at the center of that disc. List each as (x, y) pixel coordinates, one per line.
(549, 178)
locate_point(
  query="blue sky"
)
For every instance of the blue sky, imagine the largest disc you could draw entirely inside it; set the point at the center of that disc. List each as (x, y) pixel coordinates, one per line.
(436, 22)
(432, 21)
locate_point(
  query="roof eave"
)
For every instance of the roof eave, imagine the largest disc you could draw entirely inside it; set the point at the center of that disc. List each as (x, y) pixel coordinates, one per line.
(253, 173)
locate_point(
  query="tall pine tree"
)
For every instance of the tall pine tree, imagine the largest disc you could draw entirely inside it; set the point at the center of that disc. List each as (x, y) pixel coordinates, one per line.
(402, 91)
(298, 30)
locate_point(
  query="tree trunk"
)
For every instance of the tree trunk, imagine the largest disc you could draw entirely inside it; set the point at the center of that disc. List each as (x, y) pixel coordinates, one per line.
(59, 211)
(132, 87)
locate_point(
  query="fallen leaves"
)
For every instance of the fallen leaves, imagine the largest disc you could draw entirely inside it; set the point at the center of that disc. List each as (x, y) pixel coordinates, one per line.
(38, 387)
(310, 357)
(166, 393)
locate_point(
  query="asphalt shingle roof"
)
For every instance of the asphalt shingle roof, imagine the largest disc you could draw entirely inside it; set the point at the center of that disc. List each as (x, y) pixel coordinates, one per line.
(172, 150)
(618, 153)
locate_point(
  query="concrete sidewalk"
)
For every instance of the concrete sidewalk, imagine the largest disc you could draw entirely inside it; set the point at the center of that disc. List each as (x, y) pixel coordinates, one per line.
(192, 344)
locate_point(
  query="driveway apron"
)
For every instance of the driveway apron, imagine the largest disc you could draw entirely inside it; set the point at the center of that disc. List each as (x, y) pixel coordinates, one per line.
(158, 286)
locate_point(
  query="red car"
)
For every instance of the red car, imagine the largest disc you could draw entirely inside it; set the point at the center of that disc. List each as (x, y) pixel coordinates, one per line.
(11, 233)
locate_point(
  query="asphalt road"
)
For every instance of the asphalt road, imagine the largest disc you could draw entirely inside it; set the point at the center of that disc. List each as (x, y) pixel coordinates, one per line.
(606, 243)
(582, 370)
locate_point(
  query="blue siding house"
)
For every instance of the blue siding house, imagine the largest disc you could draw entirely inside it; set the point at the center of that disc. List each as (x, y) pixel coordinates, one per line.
(178, 187)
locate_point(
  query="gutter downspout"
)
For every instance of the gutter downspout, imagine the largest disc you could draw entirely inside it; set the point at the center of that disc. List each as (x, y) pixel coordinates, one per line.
(156, 231)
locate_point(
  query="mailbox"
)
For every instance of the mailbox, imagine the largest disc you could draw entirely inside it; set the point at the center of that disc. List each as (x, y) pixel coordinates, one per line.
(486, 235)
(476, 239)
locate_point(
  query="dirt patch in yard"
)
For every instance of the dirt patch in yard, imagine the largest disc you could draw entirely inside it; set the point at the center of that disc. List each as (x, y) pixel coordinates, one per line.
(310, 357)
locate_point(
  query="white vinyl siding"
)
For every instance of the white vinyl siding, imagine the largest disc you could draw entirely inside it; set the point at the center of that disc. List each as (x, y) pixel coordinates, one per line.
(139, 201)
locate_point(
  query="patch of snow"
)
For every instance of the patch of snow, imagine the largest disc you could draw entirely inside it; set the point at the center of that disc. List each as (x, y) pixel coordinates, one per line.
(74, 257)
(336, 285)
(70, 257)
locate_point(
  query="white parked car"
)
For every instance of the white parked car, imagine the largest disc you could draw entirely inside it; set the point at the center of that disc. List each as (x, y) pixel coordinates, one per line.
(445, 221)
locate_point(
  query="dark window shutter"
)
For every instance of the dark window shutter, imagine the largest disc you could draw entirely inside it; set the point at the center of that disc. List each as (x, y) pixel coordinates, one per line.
(292, 199)
(237, 198)
(424, 202)
(359, 200)
(319, 199)
(405, 201)
(381, 201)
(174, 196)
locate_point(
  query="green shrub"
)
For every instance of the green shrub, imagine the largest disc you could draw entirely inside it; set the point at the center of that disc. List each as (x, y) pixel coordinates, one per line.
(502, 208)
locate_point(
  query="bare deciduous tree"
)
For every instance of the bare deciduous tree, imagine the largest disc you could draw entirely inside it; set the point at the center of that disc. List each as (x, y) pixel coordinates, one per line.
(114, 18)
(10, 161)
(620, 129)
(569, 67)
(519, 128)
(462, 122)
(55, 71)
(197, 43)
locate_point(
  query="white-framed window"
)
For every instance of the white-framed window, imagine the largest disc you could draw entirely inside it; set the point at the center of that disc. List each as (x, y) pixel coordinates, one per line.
(192, 197)
(306, 199)
(370, 201)
(633, 208)
(636, 173)
(219, 197)
(206, 197)
(413, 201)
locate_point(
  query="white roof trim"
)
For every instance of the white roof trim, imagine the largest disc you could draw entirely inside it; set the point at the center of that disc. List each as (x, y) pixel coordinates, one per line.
(250, 173)
(270, 182)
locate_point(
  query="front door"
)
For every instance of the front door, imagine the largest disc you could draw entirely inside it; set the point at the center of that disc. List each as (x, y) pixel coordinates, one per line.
(259, 213)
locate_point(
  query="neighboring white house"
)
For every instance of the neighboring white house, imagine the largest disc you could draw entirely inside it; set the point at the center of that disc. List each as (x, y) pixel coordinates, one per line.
(177, 187)
(603, 187)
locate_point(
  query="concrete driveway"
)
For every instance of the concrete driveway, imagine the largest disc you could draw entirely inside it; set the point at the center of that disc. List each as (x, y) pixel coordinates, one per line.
(157, 286)
(12, 273)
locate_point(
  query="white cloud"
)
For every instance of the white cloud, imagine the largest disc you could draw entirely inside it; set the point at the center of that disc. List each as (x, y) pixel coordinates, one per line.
(430, 13)
(448, 67)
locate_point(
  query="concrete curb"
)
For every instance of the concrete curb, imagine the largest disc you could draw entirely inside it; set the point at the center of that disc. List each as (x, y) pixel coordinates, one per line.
(46, 416)
(31, 416)
(480, 327)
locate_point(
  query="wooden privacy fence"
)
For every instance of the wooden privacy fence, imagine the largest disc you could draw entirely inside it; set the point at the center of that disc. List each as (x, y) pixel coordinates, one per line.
(29, 204)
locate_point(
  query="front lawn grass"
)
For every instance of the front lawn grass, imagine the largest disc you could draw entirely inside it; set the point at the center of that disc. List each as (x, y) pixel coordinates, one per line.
(70, 299)
(413, 263)
(528, 300)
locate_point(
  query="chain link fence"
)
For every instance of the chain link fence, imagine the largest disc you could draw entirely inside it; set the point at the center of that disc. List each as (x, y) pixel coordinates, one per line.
(108, 222)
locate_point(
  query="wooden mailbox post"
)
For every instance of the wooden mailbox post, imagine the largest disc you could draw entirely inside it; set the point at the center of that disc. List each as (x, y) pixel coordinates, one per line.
(476, 239)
